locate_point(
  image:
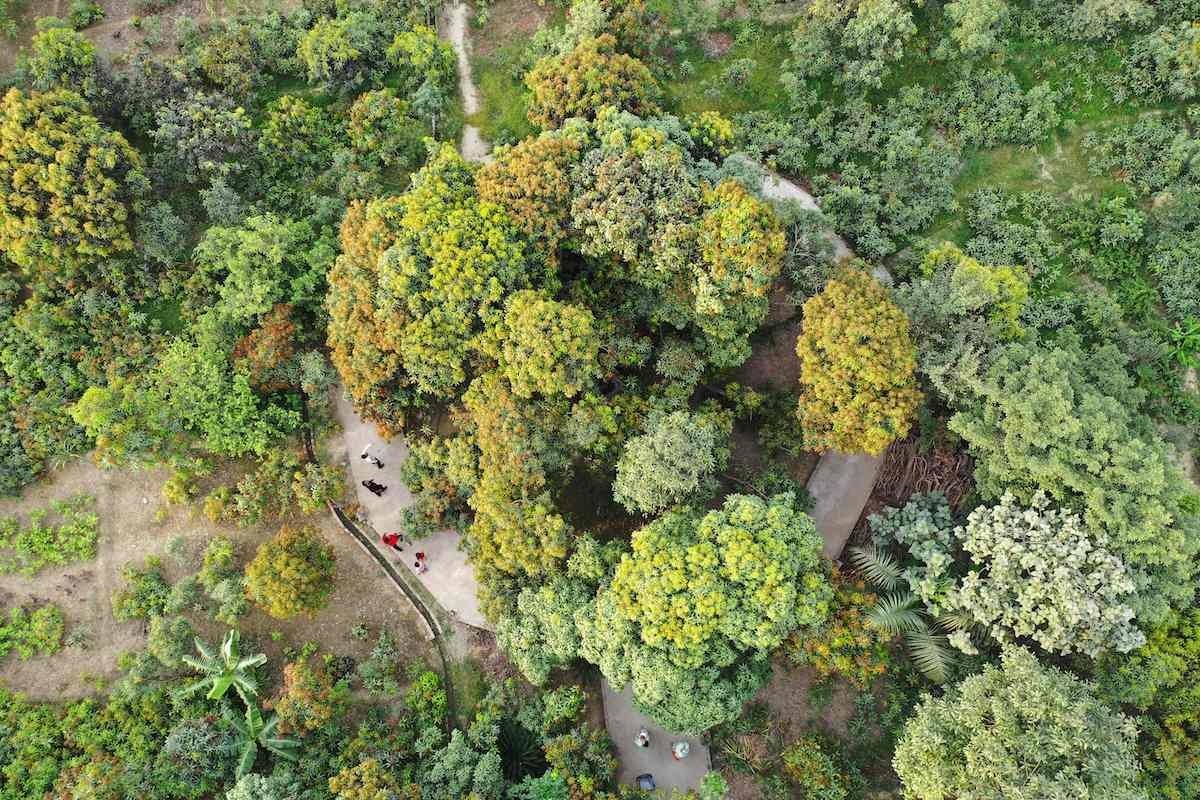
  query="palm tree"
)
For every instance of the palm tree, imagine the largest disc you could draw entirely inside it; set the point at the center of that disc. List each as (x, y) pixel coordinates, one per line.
(224, 670)
(900, 613)
(255, 732)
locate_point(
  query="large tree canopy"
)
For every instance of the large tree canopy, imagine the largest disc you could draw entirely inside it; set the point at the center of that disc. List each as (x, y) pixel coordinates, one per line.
(699, 602)
(1018, 730)
(68, 185)
(857, 367)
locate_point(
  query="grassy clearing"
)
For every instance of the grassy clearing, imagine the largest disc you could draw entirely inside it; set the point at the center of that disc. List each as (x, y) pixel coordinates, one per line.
(701, 83)
(503, 98)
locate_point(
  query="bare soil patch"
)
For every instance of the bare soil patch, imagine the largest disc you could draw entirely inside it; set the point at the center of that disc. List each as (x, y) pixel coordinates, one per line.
(716, 44)
(128, 501)
(509, 21)
(773, 363)
(789, 696)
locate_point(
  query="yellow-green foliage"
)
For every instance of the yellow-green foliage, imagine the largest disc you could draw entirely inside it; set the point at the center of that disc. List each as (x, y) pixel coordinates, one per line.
(532, 182)
(547, 347)
(292, 573)
(740, 578)
(37, 545)
(33, 633)
(848, 645)
(591, 76)
(1001, 290)
(68, 185)
(711, 132)
(516, 529)
(741, 248)
(857, 367)
(369, 781)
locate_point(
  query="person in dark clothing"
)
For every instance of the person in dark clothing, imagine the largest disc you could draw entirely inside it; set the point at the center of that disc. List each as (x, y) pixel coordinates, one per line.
(375, 487)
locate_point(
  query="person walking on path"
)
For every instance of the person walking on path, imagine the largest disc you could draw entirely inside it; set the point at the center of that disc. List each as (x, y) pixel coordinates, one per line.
(392, 539)
(643, 738)
(680, 750)
(374, 487)
(420, 567)
(365, 456)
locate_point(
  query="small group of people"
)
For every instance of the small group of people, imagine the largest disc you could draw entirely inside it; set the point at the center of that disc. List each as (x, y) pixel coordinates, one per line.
(373, 486)
(679, 750)
(394, 540)
(366, 456)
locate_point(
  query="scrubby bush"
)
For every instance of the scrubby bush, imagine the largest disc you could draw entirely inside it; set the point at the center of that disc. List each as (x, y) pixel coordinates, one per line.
(292, 573)
(60, 58)
(169, 640)
(848, 645)
(144, 594)
(32, 633)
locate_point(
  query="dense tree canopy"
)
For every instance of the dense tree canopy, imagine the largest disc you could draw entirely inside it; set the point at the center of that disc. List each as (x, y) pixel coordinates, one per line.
(857, 367)
(591, 76)
(1017, 729)
(69, 187)
(1063, 421)
(700, 599)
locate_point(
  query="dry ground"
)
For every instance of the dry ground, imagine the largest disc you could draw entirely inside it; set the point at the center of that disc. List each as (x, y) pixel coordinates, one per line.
(509, 21)
(128, 502)
(793, 714)
(116, 31)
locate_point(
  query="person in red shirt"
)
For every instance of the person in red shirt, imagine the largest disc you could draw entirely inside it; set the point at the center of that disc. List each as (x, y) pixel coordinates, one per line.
(392, 540)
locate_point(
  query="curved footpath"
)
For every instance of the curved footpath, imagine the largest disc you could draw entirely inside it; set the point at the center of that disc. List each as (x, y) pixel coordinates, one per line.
(841, 484)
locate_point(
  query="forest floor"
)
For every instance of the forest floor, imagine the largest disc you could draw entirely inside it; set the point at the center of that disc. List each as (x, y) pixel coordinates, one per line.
(128, 503)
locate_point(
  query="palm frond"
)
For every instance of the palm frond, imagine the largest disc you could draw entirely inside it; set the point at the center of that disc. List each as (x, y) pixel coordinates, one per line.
(249, 756)
(204, 650)
(250, 662)
(229, 647)
(931, 653)
(955, 621)
(192, 688)
(897, 613)
(880, 566)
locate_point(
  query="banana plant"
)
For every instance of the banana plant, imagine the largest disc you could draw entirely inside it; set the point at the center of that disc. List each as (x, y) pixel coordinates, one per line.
(224, 670)
(255, 731)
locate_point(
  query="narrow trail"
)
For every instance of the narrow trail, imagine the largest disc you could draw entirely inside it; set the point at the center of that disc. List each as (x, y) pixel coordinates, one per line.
(454, 29)
(842, 482)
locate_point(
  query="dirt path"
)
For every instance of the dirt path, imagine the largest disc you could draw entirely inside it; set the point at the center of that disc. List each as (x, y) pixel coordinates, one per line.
(454, 29)
(841, 484)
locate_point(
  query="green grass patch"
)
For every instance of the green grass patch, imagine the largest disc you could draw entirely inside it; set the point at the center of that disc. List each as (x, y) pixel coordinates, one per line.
(29, 548)
(503, 97)
(167, 312)
(705, 84)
